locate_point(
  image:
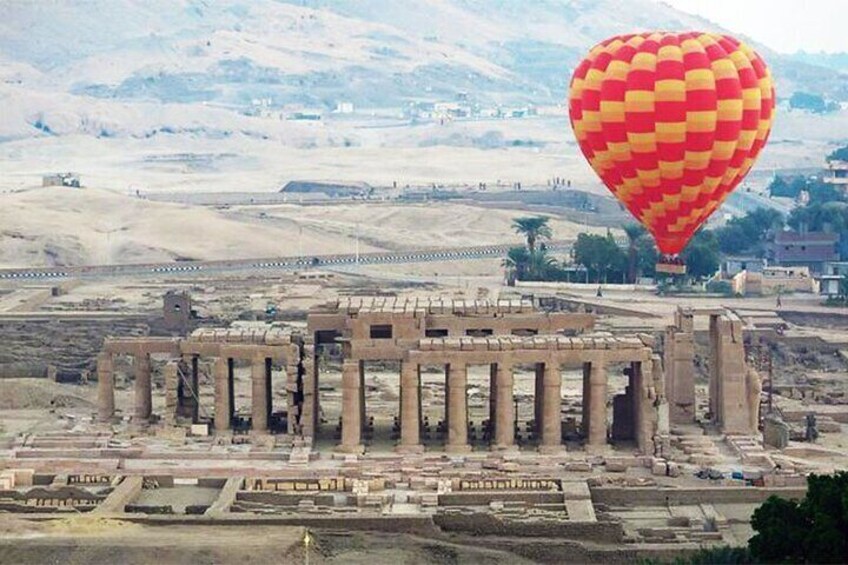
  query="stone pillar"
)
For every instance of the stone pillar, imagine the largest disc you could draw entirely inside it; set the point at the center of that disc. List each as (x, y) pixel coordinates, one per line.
(269, 399)
(363, 422)
(410, 423)
(259, 395)
(597, 405)
(732, 411)
(194, 393)
(143, 392)
(172, 399)
(504, 407)
(493, 394)
(231, 387)
(457, 403)
(551, 408)
(294, 397)
(309, 416)
(223, 409)
(587, 394)
(105, 387)
(679, 350)
(658, 416)
(351, 413)
(538, 393)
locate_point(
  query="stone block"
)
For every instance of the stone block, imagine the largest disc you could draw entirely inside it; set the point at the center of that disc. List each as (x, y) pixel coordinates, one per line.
(659, 467)
(615, 465)
(200, 430)
(673, 469)
(7, 480)
(703, 460)
(23, 477)
(578, 466)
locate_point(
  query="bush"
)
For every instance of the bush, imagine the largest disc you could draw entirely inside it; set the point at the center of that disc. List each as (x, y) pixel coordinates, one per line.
(812, 531)
(720, 287)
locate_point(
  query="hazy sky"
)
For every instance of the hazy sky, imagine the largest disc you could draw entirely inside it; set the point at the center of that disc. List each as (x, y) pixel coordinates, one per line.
(784, 25)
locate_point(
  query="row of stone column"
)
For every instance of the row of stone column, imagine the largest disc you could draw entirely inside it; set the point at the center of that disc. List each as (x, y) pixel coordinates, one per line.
(261, 399)
(548, 406)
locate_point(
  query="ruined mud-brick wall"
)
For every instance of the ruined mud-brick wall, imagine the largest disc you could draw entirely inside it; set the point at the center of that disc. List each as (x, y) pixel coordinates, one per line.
(71, 346)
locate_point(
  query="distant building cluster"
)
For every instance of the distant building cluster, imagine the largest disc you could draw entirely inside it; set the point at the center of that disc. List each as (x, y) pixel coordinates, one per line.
(836, 173)
(463, 108)
(61, 179)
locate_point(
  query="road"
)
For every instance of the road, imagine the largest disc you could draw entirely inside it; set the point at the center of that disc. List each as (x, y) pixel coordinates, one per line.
(201, 268)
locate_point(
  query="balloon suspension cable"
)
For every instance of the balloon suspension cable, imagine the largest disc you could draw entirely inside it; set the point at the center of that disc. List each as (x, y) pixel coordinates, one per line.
(671, 264)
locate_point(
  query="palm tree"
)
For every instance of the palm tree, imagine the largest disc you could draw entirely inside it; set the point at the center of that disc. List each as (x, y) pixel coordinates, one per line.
(541, 265)
(634, 232)
(532, 228)
(517, 260)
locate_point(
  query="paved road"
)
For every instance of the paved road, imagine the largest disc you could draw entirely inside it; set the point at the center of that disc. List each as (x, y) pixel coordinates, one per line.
(199, 268)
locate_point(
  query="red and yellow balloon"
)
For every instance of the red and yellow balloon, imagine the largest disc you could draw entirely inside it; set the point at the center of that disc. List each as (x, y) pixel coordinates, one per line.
(671, 122)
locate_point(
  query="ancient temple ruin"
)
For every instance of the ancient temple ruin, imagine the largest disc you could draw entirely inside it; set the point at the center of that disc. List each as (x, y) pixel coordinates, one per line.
(453, 336)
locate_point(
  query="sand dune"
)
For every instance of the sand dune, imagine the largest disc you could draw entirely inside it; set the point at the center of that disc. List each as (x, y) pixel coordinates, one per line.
(72, 227)
(63, 226)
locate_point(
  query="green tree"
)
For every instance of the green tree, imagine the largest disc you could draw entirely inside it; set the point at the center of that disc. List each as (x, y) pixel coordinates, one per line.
(749, 233)
(533, 229)
(818, 217)
(542, 267)
(824, 192)
(646, 256)
(634, 233)
(790, 189)
(840, 154)
(732, 239)
(780, 526)
(812, 531)
(702, 255)
(600, 255)
(517, 260)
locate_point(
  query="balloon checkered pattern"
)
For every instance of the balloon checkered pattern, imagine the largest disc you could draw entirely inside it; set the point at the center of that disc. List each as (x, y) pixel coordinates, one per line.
(672, 123)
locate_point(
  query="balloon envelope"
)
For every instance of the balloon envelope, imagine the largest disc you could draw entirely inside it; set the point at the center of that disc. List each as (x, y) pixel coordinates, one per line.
(672, 123)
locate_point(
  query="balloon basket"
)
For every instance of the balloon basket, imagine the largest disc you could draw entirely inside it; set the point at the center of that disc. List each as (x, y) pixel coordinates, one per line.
(671, 266)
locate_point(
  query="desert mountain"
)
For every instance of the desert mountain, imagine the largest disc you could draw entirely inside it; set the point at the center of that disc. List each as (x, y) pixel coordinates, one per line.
(112, 68)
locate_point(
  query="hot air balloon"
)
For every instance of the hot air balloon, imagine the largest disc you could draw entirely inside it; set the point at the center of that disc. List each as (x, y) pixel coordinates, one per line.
(672, 123)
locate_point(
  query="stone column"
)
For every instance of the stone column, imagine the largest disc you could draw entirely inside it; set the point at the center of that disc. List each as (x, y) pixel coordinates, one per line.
(504, 407)
(551, 408)
(143, 392)
(597, 405)
(259, 395)
(231, 387)
(493, 395)
(294, 394)
(410, 424)
(732, 414)
(351, 414)
(194, 393)
(457, 408)
(679, 351)
(223, 410)
(172, 399)
(587, 395)
(363, 414)
(105, 387)
(538, 395)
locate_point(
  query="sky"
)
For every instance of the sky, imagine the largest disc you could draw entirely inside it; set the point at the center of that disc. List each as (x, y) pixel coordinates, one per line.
(784, 25)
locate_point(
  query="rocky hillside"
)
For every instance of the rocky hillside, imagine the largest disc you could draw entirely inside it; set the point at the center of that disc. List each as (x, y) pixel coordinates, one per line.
(125, 68)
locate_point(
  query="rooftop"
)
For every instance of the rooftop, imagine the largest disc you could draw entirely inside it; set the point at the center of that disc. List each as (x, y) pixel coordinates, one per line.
(392, 304)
